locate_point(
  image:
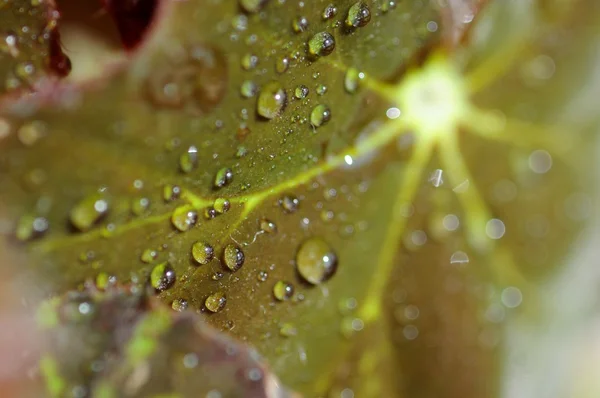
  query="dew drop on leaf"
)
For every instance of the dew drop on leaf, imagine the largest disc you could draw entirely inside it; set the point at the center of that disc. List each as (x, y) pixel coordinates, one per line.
(321, 44)
(189, 160)
(183, 219)
(249, 61)
(88, 212)
(162, 277)
(320, 115)
(329, 12)
(215, 302)
(359, 15)
(139, 206)
(288, 330)
(282, 64)
(221, 205)
(149, 255)
(283, 290)
(289, 203)
(252, 6)
(262, 276)
(271, 100)
(171, 192)
(248, 89)
(233, 257)
(301, 92)
(299, 24)
(352, 80)
(268, 226)
(179, 305)
(223, 177)
(316, 261)
(30, 227)
(321, 89)
(202, 252)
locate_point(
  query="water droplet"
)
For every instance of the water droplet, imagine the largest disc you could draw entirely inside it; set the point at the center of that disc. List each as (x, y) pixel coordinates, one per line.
(320, 115)
(271, 100)
(223, 177)
(459, 257)
(301, 92)
(183, 218)
(540, 161)
(139, 206)
(288, 330)
(162, 277)
(249, 61)
(248, 89)
(283, 290)
(329, 12)
(221, 205)
(88, 212)
(359, 15)
(300, 24)
(252, 6)
(189, 160)
(436, 178)
(289, 203)
(210, 213)
(215, 302)
(352, 80)
(25, 70)
(316, 261)
(30, 227)
(321, 44)
(171, 192)
(262, 276)
(149, 255)
(104, 280)
(268, 226)
(282, 64)
(495, 228)
(321, 89)
(202, 252)
(179, 305)
(233, 257)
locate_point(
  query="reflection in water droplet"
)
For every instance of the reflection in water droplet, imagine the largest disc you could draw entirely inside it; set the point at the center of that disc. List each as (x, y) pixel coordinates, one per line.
(436, 178)
(316, 261)
(301, 92)
(300, 24)
(162, 277)
(223, 177)
(202, 252)
(289, 203)
(183, 219)
(321, 44)
(233, 257)
(459, 257)
(359, 15)
(271, 100)
(179, 305)
(495, 228)
(283, 290)
(215, 302)
(88, 212)
(320, 115)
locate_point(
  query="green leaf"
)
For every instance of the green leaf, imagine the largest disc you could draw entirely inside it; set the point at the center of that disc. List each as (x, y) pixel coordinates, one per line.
(415, 195)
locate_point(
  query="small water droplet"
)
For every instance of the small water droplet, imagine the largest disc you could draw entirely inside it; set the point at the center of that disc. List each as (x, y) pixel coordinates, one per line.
(189, 160)
(359, 15)
(262, 276)
(321, 89)
(183, 218)
(321, 44)
(299, 24)
(329, 12)
(271, 100)
(162, 277)
(352, 80)
(221, 205)
(171, 192)
(104, 280)
(149, 255)
(283, 290)
(252, 6)
(248, 89)
(233, 257)
(282, 64)
(436, 178)
(88, 212)
(202, 252)
(301, 92)
(316, 261)
(289, 203)
(459, 257)
(30, 227)
(215, 302)
(223, 177)
(268, 226)
(179, 305)
(288, 330)
(249, 61)
(320, 115)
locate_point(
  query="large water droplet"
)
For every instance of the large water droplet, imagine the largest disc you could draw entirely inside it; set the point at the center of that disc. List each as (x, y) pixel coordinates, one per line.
(88, 212)
(316, 261)
(271, 100)
(359, 15)
(215, 302)
(321, 44)
(202, 252)
(233, 257)
(162, 277)
(320, 115)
